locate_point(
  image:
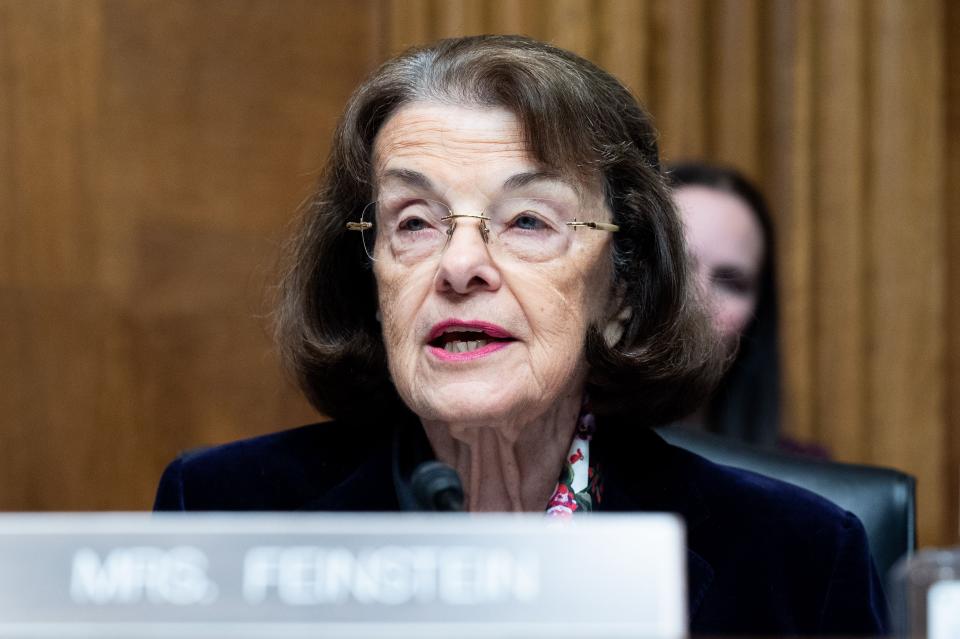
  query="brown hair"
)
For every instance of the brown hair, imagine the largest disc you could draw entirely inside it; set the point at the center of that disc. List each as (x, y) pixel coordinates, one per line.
(576, 119)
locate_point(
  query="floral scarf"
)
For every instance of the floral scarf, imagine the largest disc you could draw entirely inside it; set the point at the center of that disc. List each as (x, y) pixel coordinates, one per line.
(579, 488)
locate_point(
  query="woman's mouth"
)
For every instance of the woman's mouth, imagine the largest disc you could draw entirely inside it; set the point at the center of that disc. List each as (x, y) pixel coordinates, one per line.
(462, 341)
(456, 340)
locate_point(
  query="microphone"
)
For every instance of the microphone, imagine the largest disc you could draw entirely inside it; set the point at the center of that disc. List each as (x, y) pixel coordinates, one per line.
(437, 487)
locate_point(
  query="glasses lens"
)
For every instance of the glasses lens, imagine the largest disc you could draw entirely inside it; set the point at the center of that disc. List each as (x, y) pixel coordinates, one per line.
(369, 233)
(411, 229)
(531, 229)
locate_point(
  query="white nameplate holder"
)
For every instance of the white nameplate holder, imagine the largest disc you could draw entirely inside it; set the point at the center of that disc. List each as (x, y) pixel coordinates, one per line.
(943, 610)
(326, 575)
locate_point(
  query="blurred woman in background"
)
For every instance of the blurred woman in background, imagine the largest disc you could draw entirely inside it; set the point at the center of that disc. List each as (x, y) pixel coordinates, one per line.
(729, 234)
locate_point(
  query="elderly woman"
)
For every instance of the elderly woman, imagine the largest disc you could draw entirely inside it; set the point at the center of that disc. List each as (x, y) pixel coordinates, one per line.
(492, 274)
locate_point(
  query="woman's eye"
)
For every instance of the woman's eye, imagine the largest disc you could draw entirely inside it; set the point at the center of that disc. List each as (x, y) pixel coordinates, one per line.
(734, 283)
(528, 222)
(734, 286)
(413, 224)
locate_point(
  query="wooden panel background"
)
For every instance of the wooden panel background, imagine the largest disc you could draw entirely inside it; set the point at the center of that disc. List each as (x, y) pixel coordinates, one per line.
(153, 151)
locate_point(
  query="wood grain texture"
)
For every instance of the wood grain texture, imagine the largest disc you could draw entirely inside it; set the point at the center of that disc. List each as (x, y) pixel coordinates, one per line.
(510, 16)
(571, 25)
(733, 83)
(788, 171)
(459, 17)
(840, 162)
(951, 471)
(153, 152)
(49, 141)
(407, 24)
(905, 269)
(157, 151)
(526, 17)
(677, 95)
(623, 42)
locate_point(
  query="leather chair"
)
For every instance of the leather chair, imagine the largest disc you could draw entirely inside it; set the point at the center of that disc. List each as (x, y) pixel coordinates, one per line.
(883, 499)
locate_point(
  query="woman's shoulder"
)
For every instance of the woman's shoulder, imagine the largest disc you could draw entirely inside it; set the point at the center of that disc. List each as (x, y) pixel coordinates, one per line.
(765, 509)
(662, 474)
(732, 491)
(286, 470)
(790, 525)
(751, 495)
(795, 560)
(765, 557)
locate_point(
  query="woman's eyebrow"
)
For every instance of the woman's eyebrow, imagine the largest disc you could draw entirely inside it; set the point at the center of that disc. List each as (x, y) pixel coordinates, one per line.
(731, 272)
(519, 180)
(408, 177)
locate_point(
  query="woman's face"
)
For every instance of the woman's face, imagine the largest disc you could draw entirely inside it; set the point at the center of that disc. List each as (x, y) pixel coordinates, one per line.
(472, 331)
(726, 242)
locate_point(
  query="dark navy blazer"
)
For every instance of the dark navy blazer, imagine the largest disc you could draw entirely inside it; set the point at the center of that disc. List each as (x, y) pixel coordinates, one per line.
(764, 557)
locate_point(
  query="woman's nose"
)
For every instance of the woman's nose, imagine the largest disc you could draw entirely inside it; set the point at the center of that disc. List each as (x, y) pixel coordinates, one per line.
(466, 265)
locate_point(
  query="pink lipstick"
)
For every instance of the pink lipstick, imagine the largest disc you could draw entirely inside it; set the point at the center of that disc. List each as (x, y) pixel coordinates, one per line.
(455, 340)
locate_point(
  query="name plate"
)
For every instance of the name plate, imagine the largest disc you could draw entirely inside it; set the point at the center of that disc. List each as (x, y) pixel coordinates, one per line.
(328, 575)
(943, 610)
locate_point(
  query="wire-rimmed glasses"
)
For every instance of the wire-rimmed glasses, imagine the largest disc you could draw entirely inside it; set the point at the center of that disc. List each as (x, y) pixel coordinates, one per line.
(412, 229)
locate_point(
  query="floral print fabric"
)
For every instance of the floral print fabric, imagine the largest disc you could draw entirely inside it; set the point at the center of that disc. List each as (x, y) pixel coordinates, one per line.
(579, 488)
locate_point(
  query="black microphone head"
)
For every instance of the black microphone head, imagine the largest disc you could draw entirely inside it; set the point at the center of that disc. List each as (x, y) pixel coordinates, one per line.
(436, 486)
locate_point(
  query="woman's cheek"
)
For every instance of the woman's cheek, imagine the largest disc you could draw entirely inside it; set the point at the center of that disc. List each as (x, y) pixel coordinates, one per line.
(552, 300)
(732, 316)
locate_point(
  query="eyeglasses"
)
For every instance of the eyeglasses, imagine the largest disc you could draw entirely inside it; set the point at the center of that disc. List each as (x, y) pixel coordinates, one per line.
(411, 230)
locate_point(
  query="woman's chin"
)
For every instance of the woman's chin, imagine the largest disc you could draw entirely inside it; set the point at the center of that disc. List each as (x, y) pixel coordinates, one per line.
(472, 408)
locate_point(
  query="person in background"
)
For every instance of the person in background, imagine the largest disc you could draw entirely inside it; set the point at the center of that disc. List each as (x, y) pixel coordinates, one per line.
(729, 233)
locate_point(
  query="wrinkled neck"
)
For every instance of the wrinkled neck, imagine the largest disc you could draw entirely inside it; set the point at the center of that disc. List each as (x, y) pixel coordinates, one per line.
(508, 465)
